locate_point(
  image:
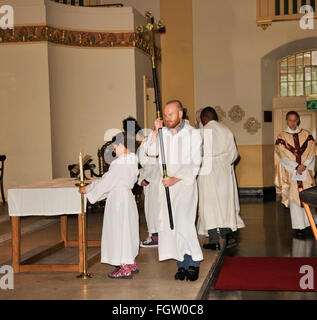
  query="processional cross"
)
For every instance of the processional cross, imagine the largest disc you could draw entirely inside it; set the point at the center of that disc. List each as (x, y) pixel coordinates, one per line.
(148, 32)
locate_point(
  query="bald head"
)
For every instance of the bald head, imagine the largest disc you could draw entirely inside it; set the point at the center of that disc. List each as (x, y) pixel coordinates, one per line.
(173, 113)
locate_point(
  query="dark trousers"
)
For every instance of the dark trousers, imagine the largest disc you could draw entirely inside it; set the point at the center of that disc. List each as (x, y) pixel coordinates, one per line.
(214, 236)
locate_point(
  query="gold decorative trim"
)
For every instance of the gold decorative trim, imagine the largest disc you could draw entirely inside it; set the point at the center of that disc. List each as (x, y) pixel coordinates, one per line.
(236, 113)
(264, 24)
(252, 125)
(88, 39)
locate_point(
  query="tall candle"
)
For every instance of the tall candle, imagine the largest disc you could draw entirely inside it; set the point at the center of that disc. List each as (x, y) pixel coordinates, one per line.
(81, 167)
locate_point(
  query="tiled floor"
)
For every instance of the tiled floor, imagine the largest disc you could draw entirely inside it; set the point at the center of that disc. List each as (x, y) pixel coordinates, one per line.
(268, 233)
(155, 280)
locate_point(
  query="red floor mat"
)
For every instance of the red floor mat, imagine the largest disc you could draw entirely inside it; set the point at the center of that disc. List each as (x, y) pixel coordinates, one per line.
(278, 274)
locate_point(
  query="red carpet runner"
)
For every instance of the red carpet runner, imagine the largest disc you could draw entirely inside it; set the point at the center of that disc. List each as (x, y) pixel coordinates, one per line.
(281, 274)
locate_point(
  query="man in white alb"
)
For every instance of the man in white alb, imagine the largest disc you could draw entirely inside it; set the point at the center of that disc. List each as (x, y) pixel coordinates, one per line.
(182, 144)
(218, 194)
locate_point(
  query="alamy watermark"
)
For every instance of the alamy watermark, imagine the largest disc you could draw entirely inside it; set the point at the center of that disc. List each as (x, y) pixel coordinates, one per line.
(6, 277)
(307, 280)
(186, 152)
(6, 17)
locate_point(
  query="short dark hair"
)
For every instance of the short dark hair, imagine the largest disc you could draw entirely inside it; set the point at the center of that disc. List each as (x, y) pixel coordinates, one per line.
(209, 113)
(125, 139)
(295, 114)
(135, 126)
(179, 104)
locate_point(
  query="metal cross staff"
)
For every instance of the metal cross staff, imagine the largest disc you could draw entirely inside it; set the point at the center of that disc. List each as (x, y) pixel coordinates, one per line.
(149, 30)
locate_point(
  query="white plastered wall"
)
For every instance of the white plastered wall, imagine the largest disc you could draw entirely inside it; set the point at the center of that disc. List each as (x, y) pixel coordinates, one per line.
(25, 133)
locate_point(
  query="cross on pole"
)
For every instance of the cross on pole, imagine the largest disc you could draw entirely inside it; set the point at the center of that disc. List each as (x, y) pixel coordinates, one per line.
(149, 31)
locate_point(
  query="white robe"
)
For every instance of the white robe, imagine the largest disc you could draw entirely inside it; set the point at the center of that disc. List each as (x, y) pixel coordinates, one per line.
(150, 172)
(183, 159)
(120, 231)
(218, 193)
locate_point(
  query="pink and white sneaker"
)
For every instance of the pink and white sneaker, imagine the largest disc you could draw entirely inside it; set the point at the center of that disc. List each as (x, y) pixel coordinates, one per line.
(134, 268)
(122, 272)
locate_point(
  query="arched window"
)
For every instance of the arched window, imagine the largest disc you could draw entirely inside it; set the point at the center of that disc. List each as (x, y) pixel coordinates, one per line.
(298, 74)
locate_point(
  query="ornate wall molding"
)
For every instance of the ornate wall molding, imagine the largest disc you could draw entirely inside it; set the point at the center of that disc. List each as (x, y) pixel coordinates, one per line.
(88, 39)
(236, 113)
(252, 125)
(220, 113)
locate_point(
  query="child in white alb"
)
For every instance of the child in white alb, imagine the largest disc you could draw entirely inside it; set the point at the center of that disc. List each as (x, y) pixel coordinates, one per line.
(120, 231)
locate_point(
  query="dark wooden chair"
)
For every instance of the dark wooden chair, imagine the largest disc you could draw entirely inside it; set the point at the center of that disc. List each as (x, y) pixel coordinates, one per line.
(88, 166)
(2, 159)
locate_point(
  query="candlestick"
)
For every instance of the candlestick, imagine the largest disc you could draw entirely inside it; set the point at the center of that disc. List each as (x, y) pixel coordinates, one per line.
(84, 274)
(81, 167)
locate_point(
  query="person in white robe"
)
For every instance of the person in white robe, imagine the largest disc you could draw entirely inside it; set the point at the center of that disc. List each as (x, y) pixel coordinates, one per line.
(199, 126)
(182, 145)
(150, 178)
(295, 154)
(218, 193)
(120, 231)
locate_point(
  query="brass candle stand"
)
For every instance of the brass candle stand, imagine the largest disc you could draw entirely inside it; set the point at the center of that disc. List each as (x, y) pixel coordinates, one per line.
(84, 274)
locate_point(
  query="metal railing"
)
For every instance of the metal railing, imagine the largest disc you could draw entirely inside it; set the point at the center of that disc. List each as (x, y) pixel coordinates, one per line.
(269, 11)
(88, 3)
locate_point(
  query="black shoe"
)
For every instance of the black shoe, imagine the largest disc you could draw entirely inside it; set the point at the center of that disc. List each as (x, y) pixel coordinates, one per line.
(299, 233)
(212, 246)
(180, 274)
(230, 240)
(192, 273)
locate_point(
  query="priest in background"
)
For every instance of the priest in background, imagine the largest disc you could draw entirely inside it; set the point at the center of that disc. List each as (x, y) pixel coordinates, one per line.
(295, 152)
(218, 193)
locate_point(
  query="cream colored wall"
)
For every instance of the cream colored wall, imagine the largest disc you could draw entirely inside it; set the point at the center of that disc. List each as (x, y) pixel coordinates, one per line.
(255, 169)
(27, 11)
(25, 133)
(89, 18)
(25, 136)
(249, 169)
(92, 89)
(140, 5)
(177, 53)
(142, 67)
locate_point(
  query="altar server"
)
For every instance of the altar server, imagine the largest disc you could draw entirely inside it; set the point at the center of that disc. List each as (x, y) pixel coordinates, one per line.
(218, 193)
(120, 231)
(182, 144)
(150, 178)
(295, 153)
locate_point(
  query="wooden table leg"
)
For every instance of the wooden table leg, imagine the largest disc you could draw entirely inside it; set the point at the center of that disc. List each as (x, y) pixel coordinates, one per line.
(64, 230)
(16, 243)
(80, 244)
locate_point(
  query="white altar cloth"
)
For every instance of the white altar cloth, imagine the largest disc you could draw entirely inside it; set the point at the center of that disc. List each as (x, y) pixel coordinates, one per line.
(48, 198)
